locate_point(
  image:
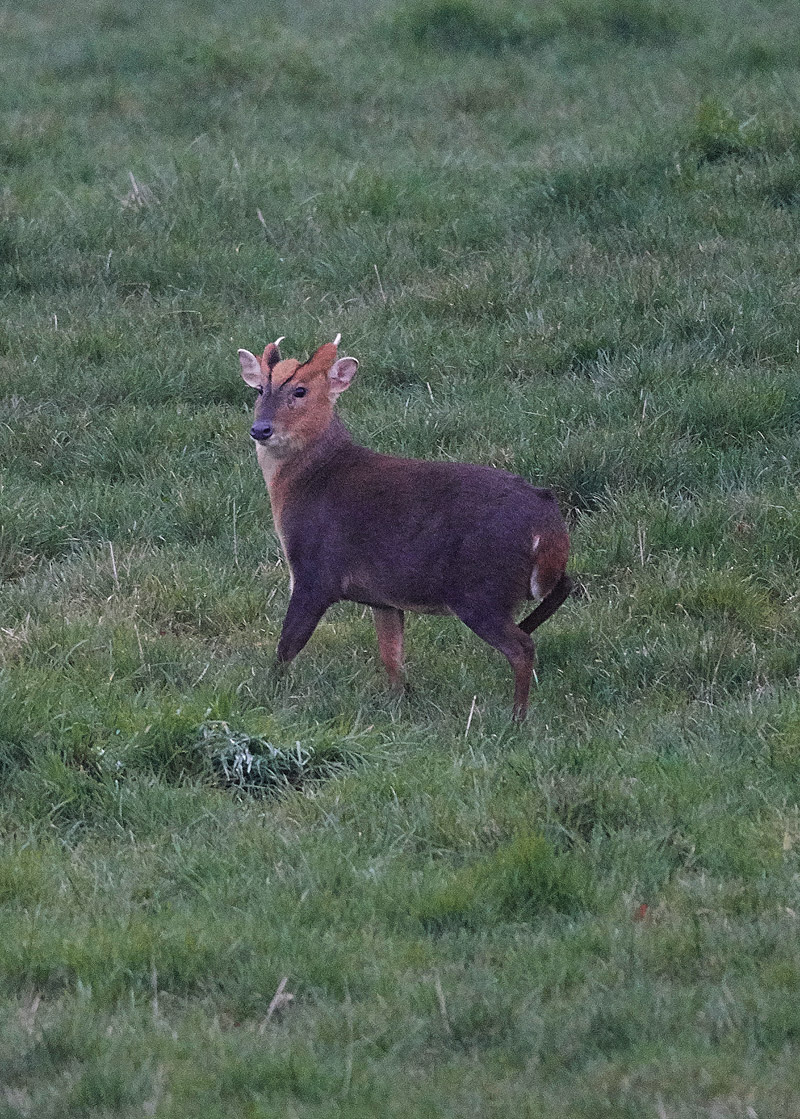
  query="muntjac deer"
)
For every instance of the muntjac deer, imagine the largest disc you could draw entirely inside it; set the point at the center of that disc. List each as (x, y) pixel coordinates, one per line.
(397, 534)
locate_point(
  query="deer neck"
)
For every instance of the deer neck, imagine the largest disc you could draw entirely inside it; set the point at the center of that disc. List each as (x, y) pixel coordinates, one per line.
(283, 472)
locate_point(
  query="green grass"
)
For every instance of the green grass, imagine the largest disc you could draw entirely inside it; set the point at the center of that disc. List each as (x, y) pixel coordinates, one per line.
(561, 239)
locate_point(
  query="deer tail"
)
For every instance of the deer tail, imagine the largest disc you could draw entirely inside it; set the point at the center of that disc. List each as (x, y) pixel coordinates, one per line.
(548, 606)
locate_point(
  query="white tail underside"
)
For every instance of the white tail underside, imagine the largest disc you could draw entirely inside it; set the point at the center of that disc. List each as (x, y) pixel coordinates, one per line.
(535, 591)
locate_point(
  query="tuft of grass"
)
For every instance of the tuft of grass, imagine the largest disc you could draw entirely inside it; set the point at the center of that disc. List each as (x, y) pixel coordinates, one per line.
(462, 25)
(782, 187)
(716, 133)
(651, 22)
(251, 764)
(524, 879)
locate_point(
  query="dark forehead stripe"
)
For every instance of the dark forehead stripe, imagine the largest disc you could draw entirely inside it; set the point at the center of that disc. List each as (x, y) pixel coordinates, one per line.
(276, 387)
(299, 369)
(288, 379)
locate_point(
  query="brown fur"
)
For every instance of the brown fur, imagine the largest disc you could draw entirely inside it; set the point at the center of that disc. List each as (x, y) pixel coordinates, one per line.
(398, 534)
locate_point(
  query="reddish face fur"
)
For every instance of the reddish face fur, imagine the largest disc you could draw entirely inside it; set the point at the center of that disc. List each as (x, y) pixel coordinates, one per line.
(397, 534)
(294, 403)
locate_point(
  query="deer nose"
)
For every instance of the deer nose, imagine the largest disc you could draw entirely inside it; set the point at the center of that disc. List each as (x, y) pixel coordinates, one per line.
(261, 431)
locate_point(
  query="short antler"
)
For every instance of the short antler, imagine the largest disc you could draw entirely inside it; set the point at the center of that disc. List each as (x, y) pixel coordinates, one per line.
(271, 357)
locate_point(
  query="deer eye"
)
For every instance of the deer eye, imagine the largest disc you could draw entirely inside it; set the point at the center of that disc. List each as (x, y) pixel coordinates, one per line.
(260, 390)
(299, 391)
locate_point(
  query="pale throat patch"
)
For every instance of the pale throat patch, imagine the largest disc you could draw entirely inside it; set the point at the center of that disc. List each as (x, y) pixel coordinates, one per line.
(269, 466)
(268, 463)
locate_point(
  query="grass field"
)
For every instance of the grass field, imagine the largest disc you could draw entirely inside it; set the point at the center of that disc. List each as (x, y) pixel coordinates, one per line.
(561, 238)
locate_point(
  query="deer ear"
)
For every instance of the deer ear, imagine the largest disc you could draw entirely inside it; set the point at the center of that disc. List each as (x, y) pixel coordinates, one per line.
(341, 374)
(251, 369)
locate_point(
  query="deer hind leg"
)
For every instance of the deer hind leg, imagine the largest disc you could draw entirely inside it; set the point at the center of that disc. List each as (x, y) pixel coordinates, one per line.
(389, 628)
(503, 634)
